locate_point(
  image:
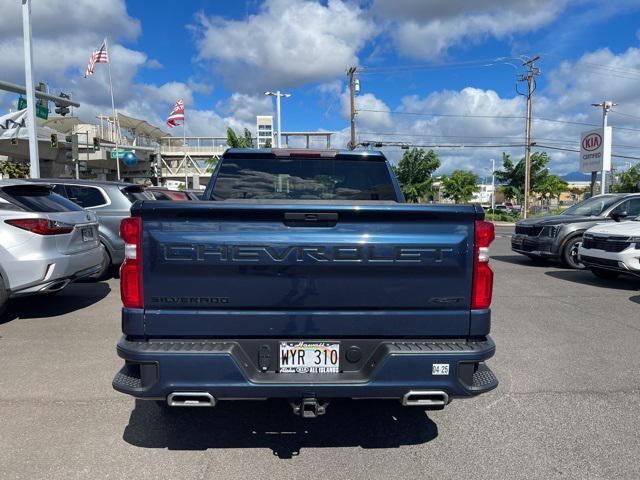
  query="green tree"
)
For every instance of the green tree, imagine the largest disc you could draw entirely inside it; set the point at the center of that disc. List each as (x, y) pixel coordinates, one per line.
(14, 169)
(629, 181)
(459, 186)
(512, 175)
(235, 141)
(551, 187)
(415, 173)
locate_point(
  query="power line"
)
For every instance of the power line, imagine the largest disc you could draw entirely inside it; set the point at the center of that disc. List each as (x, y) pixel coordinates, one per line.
(569, 141)
(430, 66)
(578, 151)
(438, 145)
(518, 117)
(625, 114)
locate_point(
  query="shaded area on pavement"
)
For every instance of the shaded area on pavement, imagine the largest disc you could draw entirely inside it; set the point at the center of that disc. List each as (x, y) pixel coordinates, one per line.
(74, 297)
(585, 277)
(522, 260)
(270, 424)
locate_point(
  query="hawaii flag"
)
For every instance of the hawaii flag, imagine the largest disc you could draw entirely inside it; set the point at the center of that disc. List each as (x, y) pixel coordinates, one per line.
(99, 56)
(177, 114)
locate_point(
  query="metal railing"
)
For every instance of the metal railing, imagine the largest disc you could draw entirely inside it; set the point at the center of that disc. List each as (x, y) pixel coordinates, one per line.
(213, 146)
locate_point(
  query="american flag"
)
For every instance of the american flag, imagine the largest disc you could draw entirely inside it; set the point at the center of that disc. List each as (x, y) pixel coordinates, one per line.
(99, 56)
(177, 114)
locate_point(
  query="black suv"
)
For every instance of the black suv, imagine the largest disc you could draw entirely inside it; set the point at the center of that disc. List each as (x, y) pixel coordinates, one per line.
(559, 236)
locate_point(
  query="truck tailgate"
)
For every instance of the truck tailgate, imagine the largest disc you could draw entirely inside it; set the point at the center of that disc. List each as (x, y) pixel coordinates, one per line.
(309, 270)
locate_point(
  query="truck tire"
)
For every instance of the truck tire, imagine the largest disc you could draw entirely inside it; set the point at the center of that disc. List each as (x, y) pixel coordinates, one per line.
(606, 274)
(570, 253)
(4, 297)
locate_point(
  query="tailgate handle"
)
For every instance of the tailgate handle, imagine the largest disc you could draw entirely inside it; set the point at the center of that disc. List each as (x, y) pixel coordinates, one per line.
(310, 219)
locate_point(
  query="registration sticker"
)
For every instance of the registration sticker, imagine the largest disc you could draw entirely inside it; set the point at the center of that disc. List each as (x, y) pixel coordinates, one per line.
(440, 369)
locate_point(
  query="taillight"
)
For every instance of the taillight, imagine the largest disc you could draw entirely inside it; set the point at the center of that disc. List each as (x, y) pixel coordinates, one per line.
(482, 274)
(41, 226)
(131, 269)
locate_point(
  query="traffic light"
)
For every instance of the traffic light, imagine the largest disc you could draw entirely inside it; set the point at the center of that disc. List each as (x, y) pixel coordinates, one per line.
(54, 140)
(42, 87)
(96, 144)
(60, 108)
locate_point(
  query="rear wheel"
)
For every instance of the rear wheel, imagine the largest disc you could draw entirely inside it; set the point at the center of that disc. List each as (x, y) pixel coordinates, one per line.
(570, 254)
(606, 274)
(4, 297)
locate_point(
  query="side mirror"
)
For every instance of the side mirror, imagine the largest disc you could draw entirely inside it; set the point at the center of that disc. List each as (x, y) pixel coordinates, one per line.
(617, 216)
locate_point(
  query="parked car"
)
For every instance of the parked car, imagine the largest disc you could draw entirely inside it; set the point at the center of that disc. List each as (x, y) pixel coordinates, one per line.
(111, 202)
(46, 241)
(307, 279)
(559, 236)
(612, 248)
(161, 193)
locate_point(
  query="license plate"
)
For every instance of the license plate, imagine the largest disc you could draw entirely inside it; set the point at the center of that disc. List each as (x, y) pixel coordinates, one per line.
(87, 234)
(309, 357)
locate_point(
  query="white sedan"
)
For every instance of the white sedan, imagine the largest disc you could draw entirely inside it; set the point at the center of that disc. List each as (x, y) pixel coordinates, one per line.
(46, 241)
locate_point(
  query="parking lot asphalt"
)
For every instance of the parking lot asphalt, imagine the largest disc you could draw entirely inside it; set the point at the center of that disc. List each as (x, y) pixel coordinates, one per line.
(568, 405)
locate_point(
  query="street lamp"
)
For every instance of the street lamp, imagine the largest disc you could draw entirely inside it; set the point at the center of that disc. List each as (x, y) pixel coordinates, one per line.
(278, 95)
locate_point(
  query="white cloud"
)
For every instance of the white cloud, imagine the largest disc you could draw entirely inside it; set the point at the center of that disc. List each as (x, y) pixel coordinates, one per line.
(428, 29)
(288, 43)
(244, 108)
(64, 35)
(378, 120)
(60, 18)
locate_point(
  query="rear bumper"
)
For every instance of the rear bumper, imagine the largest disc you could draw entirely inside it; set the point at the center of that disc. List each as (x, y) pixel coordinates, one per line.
(226, 370)
(58, 272)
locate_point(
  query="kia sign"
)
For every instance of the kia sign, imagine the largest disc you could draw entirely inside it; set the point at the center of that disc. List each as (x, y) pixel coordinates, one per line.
(592, 142)
(595, 151)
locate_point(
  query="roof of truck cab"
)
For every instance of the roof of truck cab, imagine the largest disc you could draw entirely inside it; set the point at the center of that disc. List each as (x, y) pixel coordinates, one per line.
(303, 153)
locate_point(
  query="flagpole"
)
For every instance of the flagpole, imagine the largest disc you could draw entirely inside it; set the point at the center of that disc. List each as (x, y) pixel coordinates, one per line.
(184, 147)
(113, 108)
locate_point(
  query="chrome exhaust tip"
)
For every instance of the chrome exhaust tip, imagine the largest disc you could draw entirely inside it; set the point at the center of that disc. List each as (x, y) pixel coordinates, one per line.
(425, 398)
(191, 399)
(56, 286)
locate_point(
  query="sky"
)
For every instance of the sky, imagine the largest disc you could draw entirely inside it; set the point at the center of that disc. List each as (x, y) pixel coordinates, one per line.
(432, 72)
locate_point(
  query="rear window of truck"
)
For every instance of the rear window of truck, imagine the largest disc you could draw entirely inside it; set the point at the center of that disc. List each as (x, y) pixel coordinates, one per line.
(303, 179)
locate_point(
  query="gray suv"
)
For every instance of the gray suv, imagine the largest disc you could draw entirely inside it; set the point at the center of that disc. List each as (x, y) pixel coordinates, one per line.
(111, 201)
(559, 236)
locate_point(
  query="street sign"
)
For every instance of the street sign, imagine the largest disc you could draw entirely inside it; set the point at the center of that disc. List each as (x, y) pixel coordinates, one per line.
(41, 110)
(121, 153)
(595, 150)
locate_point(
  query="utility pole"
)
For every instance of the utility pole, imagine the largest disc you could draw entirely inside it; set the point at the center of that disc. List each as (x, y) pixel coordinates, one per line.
(352, 99)
(278, 95)
(606, 106)
(34, 168)
(530, 78)
(493, 186)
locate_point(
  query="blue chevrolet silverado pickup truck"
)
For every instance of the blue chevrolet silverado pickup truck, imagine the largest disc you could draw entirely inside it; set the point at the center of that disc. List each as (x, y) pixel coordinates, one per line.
(304, 276)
